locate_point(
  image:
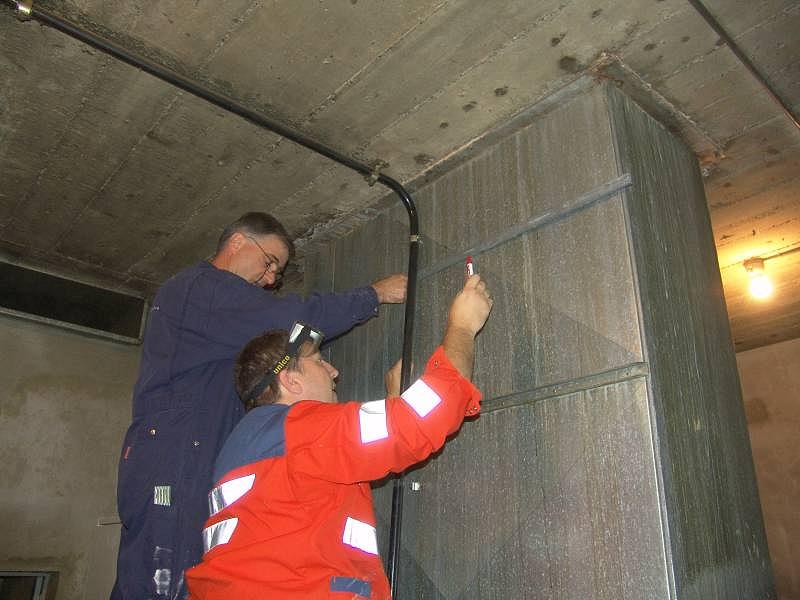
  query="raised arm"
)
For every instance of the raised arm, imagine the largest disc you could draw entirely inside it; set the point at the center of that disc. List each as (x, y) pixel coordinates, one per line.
(360, 442)
(468, 314)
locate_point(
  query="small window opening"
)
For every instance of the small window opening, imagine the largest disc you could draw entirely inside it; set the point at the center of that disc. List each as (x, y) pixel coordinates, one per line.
(46, 298)
(26, 585)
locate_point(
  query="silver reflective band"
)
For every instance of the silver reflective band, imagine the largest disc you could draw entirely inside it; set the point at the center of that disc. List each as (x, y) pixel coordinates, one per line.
(297, 329)
(360, 535)
(219, 533)
(229, 492)
(162, 579)
(161, 495)
(372, 420)
(421, 398)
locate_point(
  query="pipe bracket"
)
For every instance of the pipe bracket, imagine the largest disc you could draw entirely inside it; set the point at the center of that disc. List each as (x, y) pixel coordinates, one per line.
(24, 9)
(373, 177)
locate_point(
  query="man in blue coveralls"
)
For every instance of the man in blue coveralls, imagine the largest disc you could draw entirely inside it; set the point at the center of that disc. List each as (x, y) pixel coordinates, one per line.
(184, 402)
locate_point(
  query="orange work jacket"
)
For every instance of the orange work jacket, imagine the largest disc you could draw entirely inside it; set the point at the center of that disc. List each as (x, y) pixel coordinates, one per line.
(291, 509)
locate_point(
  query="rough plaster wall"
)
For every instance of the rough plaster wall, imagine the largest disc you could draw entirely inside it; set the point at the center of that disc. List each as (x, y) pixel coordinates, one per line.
(64, 408)
(770, 382)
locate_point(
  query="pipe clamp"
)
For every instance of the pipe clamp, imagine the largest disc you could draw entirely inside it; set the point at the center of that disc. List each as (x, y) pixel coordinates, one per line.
(372, 178)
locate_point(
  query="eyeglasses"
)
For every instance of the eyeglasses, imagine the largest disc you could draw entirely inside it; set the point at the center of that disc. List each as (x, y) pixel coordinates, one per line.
(272, 264)
(300, 334)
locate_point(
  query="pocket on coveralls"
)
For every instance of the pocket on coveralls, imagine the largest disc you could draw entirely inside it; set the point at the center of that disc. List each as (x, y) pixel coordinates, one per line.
(151, 464)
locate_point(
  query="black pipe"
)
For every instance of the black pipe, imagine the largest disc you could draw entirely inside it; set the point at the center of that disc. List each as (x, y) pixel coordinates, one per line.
(229, 104)
(396, 519)
(194, 88)
(731, 43)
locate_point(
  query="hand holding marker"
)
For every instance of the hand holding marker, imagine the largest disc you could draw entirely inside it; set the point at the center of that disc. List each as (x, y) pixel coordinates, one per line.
(469, 270)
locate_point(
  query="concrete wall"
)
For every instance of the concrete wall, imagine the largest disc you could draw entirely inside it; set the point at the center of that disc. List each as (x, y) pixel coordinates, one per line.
(611, 459)
(64, 408)
(770, 379)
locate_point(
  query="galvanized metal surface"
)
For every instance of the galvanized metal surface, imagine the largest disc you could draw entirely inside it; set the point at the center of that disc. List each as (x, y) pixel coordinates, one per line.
(573, 386)
(551, 500)
(543, 332)
(600, 194)
(718, 545)
(554, 491)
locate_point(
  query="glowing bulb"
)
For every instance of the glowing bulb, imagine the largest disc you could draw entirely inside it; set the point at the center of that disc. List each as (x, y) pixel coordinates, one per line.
(760, 286)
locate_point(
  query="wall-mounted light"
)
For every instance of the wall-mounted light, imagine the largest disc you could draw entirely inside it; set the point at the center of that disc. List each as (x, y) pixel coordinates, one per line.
(760, 285)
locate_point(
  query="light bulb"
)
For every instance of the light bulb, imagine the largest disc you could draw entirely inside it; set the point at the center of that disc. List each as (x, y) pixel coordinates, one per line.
(760, 286)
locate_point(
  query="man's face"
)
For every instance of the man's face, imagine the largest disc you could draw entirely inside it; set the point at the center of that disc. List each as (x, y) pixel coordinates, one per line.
(318, 377)
(261, 259)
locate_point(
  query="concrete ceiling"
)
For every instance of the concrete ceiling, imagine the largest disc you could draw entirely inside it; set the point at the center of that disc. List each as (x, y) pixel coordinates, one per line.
(115, 177)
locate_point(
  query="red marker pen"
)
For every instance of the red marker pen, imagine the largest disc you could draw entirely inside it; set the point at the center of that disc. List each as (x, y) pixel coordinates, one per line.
(470, 268)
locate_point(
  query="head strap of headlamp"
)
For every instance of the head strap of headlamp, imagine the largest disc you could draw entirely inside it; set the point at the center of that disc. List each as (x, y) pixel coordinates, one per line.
(299, 335)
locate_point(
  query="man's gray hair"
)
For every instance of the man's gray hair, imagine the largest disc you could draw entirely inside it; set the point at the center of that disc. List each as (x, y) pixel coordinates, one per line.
(256, 224)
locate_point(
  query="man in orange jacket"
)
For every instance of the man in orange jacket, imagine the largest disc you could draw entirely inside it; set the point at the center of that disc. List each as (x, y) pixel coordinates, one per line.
(291, 510)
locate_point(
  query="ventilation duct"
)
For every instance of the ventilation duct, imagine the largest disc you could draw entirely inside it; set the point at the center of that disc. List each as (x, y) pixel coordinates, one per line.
(38, 296)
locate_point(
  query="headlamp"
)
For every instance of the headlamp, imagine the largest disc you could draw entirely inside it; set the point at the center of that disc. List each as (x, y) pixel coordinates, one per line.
(299, 335)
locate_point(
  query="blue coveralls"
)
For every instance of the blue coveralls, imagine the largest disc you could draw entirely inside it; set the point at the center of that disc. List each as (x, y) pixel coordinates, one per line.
(184, 407)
